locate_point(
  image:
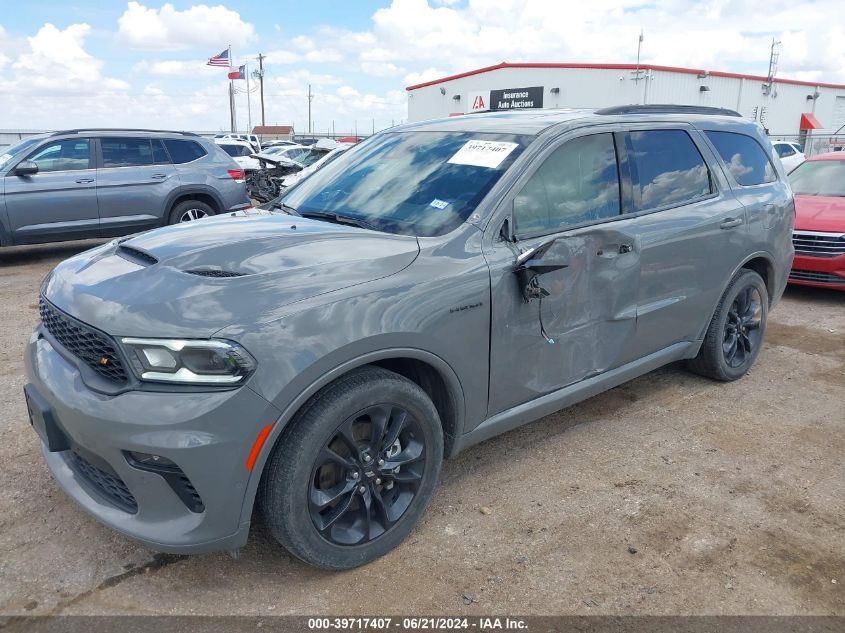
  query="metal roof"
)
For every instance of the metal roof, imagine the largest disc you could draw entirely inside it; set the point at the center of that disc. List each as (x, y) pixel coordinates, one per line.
(653, 67)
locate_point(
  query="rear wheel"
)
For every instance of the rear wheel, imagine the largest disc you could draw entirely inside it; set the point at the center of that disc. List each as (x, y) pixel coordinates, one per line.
(190, 210)
(735, 334)
(355, 471)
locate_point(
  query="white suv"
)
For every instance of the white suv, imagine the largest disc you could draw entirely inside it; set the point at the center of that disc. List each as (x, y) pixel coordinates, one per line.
(790, 154)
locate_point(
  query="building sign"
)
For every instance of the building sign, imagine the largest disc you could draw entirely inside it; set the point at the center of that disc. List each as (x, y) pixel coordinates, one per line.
(478, 101)
(516, 98)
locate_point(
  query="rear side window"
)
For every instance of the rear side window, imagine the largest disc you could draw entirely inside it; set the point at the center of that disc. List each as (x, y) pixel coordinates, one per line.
(235, 150)
(126, 152)
(744, 157)
(666, 168)
(183, 151)
(578, 183)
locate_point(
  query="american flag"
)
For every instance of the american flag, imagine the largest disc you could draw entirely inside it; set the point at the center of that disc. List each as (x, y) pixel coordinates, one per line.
(219, 60)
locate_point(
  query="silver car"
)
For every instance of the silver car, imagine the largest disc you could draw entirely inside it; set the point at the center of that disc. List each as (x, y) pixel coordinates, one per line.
(79, 184)
(436, 285)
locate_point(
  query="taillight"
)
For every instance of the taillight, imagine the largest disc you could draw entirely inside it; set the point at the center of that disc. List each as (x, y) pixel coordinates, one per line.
(237, 174)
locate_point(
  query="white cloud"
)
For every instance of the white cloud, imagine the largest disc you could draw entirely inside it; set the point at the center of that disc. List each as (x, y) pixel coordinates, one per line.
(168, 29)
(179, 68)
(452, 37)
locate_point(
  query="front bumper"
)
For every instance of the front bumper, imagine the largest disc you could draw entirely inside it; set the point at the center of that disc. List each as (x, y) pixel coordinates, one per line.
(822, 272)
(208, 435)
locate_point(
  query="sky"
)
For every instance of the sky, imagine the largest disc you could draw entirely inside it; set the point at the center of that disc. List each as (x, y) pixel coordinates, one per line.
(142, 63)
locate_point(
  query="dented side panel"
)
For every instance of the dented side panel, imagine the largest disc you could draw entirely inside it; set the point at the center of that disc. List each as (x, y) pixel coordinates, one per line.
(588, 316)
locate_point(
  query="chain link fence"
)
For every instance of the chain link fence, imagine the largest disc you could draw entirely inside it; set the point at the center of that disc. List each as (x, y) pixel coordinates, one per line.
(813, 144)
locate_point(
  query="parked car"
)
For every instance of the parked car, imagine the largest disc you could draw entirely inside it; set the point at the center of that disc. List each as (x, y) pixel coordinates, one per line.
(819, 236)
(252, 139)
(790, 154)
(287, 152)
(88, 183)
(276, 143)
(436, 285)
(241, 152)
(320, 157)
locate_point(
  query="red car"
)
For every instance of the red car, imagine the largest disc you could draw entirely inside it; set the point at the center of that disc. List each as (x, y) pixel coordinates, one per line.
(819, 236)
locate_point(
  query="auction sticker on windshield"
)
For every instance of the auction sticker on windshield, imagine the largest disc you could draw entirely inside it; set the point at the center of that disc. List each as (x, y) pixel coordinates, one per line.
(482, 153)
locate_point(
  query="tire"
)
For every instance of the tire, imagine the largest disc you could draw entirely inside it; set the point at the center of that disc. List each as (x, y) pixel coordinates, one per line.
(181, 212)
(738, 326)
(374, 507)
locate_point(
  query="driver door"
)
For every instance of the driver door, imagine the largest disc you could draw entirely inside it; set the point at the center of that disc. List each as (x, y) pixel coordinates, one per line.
(574, 199)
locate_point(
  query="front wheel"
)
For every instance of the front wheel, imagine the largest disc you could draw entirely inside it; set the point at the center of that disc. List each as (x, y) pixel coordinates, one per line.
(735, 334)
(355, 471)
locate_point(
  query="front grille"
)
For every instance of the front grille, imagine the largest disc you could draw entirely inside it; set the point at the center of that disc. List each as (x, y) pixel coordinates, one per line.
(214, 273)
(91, 346)
(136, 255)
(109, 485)
(814, 276)
(818, 244)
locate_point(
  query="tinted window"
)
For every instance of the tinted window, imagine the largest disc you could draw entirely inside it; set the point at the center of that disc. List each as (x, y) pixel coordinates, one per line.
(819, 178)
(159, 155)
(126, 152)
(666, 168)
(66, 155)
(578, 183)
(744, 157)
(236, 150)
(17, 148)
(784, 150)
(183, 151)
(416, 183)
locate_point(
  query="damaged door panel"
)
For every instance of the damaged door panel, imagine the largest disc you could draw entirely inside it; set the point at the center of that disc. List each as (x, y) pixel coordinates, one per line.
(577, 329)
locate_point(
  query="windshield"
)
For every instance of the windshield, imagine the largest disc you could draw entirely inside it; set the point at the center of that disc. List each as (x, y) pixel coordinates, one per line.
(236, 150)
(819, 178)
(10, 152)
(311, 156)
(415, 183)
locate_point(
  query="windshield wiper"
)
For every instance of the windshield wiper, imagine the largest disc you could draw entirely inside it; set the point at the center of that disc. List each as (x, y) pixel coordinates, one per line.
(286, 208)
(337, 218)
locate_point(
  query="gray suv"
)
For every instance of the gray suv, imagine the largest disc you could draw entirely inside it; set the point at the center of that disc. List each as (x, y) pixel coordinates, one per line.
(436, 285)
(79, 184)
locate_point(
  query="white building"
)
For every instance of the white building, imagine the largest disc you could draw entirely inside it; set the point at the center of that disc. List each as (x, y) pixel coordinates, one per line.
(785, 107)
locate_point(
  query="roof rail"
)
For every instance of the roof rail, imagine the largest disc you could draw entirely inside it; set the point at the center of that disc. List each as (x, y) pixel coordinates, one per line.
(668, 108)
(119, 129)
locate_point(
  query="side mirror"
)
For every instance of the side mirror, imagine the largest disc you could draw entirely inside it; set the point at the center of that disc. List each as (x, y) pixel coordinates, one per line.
(26, 168)
(530, 265)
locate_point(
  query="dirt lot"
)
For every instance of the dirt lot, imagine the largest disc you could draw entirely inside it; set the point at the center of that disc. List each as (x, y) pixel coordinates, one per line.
(671, 494)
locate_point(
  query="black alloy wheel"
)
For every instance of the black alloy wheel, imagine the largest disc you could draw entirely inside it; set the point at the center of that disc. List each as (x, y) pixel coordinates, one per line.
(366, 475)
(742, 327)
(355, 469)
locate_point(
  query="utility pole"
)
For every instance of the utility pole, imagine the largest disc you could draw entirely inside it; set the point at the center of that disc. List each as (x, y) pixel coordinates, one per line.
(773, 67)
(310, 98)
(261, 57)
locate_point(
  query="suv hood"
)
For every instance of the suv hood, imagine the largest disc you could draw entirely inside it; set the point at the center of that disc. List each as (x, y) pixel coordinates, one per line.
(141, 286)
(820, 213)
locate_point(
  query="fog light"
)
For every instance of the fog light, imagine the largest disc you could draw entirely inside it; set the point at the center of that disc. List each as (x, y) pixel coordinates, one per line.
(147, 459)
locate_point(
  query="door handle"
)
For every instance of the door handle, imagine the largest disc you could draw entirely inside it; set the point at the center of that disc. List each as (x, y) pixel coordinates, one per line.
(731, 223)
(159, 176)
(84, 180)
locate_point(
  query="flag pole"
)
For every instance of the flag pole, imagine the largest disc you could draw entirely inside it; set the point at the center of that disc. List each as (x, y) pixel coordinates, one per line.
(231, 95)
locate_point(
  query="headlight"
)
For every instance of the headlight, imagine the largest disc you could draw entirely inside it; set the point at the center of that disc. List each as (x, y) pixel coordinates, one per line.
(193, 362)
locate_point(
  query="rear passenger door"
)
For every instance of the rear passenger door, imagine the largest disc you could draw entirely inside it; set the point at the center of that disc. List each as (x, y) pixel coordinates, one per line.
(134, 184)
(692, 234)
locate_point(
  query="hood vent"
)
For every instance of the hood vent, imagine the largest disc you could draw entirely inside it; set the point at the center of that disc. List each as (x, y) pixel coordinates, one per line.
(136, 255)
(215, 273)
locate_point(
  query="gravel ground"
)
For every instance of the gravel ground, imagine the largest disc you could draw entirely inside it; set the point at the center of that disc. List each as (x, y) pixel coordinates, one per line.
(669, 495)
